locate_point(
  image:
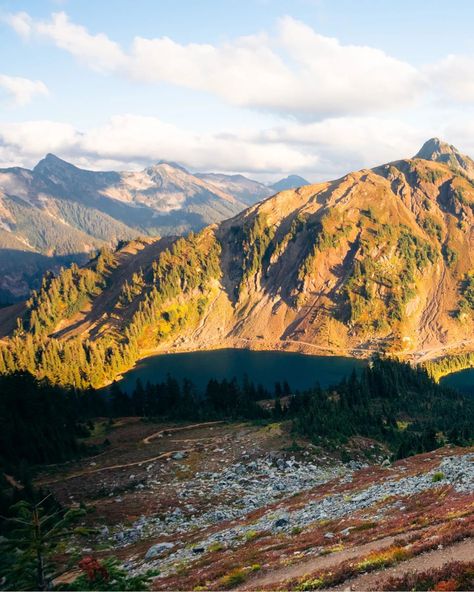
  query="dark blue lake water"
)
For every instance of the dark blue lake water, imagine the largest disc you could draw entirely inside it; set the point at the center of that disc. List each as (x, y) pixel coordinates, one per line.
(264, 367)
(462, 381)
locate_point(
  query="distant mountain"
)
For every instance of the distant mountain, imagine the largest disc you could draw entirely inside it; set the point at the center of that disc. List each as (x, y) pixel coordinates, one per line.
(244, 189)
(290, 182)
(248, 190)
(380, 260)
(58, 213)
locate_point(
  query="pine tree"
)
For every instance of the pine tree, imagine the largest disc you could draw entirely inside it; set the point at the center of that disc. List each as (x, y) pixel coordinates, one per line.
(28, 550)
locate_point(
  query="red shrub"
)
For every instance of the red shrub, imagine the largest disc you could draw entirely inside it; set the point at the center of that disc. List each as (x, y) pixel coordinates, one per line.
(452, 576)
(93, 569)
(446, 585)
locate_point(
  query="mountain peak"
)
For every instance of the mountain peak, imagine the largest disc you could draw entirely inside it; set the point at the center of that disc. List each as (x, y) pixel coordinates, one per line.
(171, 164)
(439, 151)
(433, 148)
(290, 182)
(51, 162)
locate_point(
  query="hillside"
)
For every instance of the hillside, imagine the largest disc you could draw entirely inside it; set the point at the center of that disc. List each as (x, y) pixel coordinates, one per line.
(379, 260)
(58, 213)
(352, 487)
(230, 506)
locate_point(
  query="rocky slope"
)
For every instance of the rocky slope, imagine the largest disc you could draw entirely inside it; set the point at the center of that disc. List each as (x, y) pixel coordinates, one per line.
(57, 212)
(225, 506)
(379, 260)
(439, 151)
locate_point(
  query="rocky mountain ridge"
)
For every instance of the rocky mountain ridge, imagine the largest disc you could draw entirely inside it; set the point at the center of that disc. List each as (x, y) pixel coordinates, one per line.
(381, 260)
(58, 213)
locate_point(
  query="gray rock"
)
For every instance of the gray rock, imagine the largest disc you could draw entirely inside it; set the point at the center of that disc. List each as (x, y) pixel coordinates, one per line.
(157, 550)
(346, 532)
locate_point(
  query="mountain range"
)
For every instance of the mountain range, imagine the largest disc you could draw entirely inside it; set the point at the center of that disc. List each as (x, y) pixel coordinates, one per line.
(58, 213)
(380, 260)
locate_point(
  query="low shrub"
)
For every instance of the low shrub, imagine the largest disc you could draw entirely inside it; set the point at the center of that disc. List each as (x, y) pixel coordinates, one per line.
(452, 576)
(233, 578)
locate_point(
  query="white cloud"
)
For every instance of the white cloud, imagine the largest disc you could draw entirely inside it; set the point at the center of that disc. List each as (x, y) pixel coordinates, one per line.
(30, 140)
(295, 71)
(96, 51)
(20, 22)
(21, 90)
(460, 132)
(350, 143)
(453, 78)
(318, 150)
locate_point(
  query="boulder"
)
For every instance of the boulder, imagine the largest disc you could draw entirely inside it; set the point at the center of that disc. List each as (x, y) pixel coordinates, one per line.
(157, 550)
(329, 535)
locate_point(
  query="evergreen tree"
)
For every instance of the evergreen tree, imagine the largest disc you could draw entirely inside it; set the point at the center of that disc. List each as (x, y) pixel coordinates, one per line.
(27, 551)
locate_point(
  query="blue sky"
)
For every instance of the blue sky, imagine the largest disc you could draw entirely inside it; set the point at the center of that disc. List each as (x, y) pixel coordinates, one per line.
(264, 87)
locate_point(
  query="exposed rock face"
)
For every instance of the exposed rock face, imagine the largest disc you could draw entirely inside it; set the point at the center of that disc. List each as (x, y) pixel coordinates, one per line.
(245, 190)
(439, 151)
(379, 260)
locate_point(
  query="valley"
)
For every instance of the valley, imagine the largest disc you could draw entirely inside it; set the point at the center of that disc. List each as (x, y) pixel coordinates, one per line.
(189, 479)
(236, 296)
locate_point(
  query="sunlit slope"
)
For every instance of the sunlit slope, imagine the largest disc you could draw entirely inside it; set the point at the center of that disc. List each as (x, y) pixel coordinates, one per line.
(379, 260)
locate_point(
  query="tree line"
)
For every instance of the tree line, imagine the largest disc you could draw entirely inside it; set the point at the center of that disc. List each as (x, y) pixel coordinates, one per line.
(187, 268)
(391, 402)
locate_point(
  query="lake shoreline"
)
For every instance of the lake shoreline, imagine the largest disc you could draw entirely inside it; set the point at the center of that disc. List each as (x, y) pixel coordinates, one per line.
(236, 343)
(261, 366)
(288, 345)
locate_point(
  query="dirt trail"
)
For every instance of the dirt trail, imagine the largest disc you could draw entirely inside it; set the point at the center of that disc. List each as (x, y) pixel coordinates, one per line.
(462, 551)
(164, 432)
(112, 467)
(332, 350)
(277, 576)
(146, 440)
(437, 351)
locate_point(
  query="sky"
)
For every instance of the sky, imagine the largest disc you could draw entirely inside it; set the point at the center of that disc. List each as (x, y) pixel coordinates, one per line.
(261, 87)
